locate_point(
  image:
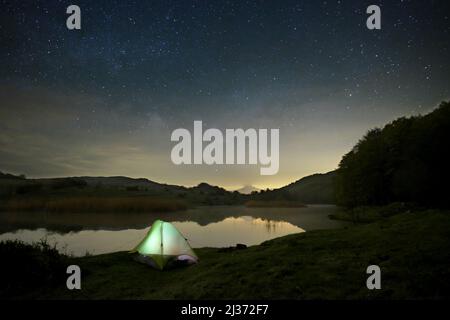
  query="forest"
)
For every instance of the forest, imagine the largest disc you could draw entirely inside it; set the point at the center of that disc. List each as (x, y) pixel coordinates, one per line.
(406, 161)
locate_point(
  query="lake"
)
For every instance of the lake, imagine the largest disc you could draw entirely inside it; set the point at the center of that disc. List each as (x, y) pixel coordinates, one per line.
(208, 226)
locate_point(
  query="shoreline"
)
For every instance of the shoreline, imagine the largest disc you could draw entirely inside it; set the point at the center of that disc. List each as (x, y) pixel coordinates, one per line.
(297, 266)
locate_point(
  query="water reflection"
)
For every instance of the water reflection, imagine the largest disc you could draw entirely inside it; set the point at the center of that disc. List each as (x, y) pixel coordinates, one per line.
(204, 227)
(228, 232)
(309, 218)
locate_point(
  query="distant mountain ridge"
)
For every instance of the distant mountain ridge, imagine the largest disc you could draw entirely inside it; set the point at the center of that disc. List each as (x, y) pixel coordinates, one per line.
(248, 189)
(118, 181)
(316, 188)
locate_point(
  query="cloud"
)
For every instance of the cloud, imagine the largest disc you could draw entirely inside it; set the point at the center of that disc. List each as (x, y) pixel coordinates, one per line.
(53, 133)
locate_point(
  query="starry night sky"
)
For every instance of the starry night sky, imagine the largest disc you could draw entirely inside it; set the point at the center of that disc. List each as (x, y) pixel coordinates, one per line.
(104, 100)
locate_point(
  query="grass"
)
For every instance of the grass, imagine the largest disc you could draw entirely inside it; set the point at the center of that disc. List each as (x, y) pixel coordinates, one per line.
(369, 214)
(274, 204)
(411, 248)
(81, 204)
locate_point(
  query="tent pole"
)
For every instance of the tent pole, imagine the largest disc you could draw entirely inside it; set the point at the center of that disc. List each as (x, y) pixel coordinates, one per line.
(162, 251)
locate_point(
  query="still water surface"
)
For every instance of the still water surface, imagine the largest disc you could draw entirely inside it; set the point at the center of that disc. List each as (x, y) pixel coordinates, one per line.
(217, 226)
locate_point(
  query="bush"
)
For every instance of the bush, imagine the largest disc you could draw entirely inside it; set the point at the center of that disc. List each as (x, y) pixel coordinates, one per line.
(25, 267)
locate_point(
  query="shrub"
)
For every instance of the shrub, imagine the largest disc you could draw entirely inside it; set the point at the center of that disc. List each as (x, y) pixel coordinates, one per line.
(29, 266)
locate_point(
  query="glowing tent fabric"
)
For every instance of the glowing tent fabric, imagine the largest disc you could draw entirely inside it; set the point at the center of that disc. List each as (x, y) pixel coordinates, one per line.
(163, 244)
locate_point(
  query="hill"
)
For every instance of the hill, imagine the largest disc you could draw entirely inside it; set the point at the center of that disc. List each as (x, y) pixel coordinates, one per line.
(316, 188)
(313, 189)
(103, 194)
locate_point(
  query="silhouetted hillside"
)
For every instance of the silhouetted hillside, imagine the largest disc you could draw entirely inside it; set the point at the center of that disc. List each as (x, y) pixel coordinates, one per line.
(99, 192)
(316, 188)
(10, 176)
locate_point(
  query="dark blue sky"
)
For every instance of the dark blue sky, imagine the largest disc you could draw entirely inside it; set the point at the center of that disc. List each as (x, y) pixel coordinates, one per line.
(104, 100)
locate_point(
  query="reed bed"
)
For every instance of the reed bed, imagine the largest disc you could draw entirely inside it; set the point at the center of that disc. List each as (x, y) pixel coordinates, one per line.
(94, 204)
(274, 204)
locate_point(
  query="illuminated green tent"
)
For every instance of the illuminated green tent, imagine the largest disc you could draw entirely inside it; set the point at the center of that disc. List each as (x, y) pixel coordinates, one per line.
(164, 244)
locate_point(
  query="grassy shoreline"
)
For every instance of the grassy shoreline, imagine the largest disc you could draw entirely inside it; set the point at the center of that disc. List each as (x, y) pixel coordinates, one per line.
(411, 248)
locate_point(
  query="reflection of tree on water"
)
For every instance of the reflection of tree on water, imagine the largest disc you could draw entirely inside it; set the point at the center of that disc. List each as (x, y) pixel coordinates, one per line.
(270, 225)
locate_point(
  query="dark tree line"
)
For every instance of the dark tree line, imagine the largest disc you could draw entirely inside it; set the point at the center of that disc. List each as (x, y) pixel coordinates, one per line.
(408, 160)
